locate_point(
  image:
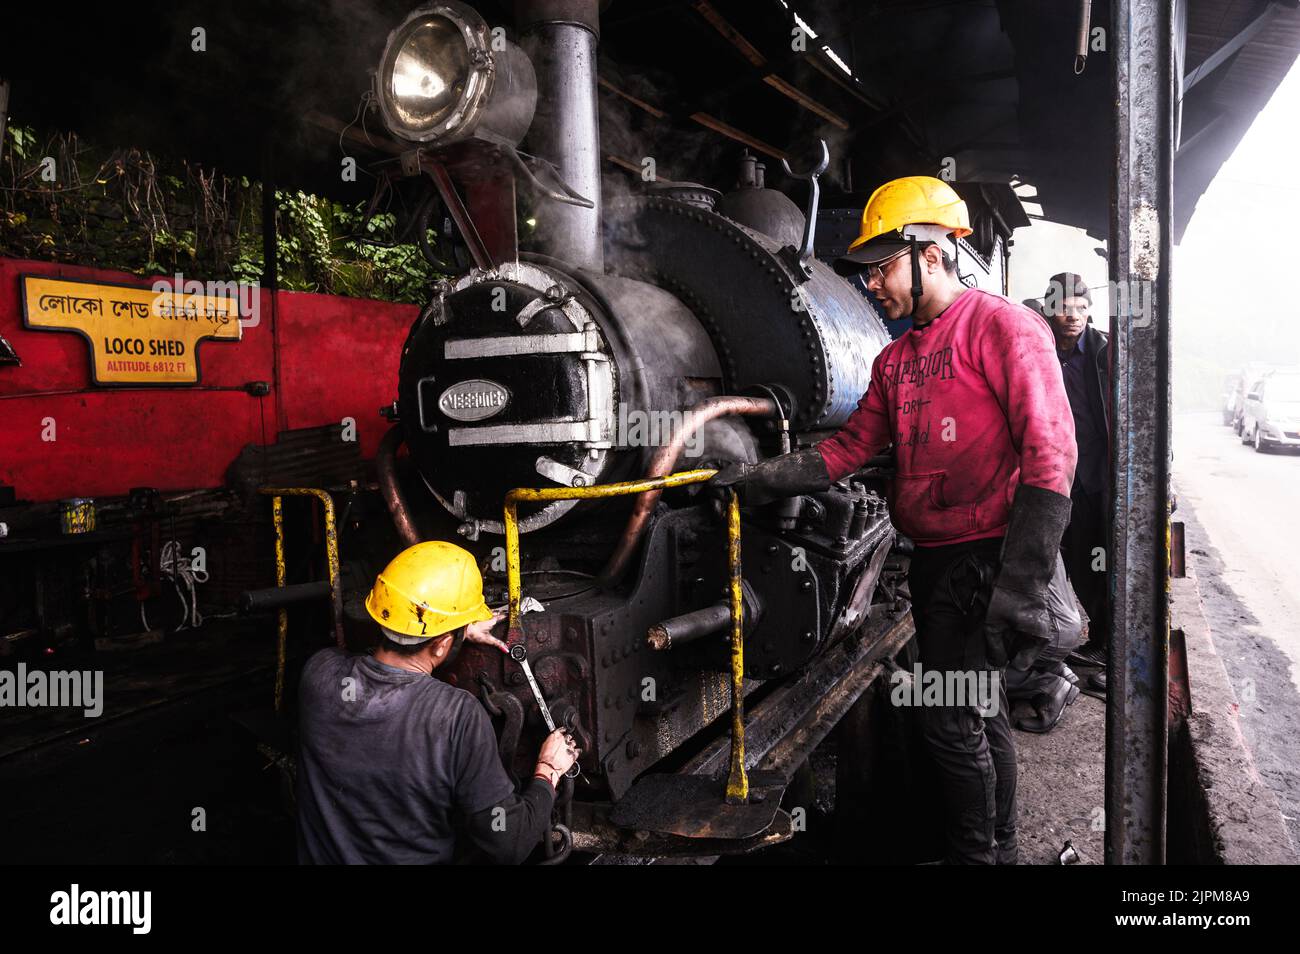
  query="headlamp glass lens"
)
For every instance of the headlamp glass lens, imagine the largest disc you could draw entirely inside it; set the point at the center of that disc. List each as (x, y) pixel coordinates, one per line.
(429, 74)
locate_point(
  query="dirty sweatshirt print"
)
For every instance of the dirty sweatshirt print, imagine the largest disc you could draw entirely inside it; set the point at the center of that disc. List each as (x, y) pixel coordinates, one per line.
(974, 404)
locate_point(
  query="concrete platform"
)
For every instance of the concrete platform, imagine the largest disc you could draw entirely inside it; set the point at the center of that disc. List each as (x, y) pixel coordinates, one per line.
(1061, 785)
(1221, 811)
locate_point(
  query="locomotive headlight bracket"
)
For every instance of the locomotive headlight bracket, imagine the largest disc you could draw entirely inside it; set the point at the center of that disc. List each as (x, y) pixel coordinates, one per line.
(446, 77)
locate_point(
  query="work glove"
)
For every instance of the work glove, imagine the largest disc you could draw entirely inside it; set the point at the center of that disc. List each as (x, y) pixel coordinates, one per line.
(789, 475)
(1018, 624)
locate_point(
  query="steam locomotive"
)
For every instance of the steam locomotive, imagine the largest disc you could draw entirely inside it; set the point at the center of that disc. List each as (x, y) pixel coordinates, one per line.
(670, 329)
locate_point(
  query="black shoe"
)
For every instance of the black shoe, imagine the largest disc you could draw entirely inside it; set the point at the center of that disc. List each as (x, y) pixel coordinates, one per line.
(1062, 670)
(1095, 685)
(1090, 655)
(1049, 708)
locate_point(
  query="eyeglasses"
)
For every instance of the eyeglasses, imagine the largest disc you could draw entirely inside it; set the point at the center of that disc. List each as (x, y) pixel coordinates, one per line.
(876, 273)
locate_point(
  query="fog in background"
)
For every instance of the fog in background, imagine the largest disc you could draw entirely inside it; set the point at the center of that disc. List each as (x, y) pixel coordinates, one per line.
(1235, 289)
(1236, 273)
(1046, 248)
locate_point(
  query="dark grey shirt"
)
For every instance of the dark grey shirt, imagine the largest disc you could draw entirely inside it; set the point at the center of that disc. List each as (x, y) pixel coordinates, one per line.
(393, 763)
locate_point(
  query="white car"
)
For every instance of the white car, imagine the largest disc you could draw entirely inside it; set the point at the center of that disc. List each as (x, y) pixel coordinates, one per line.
(1271, 413)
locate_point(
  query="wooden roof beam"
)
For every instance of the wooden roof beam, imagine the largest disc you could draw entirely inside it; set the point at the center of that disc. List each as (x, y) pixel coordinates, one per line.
(731, 132)
(704, 119)
(730, 33)
(759, 62)
(654, 111)
(804, 100)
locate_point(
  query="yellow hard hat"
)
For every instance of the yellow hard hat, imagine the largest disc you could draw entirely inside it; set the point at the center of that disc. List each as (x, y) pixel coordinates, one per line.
(427, 590)
(910, 201)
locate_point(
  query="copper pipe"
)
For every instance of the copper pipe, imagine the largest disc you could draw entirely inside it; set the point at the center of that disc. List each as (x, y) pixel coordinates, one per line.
(386, 470)
(664, 460)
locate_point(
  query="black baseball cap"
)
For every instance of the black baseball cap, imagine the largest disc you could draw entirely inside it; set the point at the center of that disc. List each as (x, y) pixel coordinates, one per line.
(871, 253)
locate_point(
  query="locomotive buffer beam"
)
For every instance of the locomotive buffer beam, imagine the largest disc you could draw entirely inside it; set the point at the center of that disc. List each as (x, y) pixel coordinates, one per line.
(781, 732)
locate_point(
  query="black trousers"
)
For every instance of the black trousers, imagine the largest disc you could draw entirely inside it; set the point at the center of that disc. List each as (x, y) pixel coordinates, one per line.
(975, 754)
(1087, 537)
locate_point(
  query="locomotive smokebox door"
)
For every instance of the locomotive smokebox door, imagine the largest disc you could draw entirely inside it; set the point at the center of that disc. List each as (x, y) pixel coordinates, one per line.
(692, 806)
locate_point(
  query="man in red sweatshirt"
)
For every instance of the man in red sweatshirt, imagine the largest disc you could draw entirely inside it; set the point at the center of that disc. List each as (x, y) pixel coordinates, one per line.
(972, 401)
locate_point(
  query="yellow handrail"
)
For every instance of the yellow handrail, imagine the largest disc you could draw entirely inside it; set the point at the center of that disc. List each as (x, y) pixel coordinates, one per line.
(738, 779)
(277, 495)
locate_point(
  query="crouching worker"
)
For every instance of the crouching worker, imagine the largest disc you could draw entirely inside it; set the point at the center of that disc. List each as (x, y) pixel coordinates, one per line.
(971, 398)
(396, 767)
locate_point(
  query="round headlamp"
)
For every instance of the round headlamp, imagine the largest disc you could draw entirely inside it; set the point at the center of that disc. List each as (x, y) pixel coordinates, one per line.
(444, 77)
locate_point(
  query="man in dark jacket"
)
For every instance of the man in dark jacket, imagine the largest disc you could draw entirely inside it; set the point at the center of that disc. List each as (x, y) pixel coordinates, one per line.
(1083, 352)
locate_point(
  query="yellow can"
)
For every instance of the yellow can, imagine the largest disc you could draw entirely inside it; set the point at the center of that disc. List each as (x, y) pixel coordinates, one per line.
(77, 515)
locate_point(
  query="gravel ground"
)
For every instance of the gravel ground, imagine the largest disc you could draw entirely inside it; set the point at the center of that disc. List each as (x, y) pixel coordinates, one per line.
(1061, 786)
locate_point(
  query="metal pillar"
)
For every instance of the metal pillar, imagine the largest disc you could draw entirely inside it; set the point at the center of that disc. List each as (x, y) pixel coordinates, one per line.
(1142, 44)
(4, 112)
(270, 246)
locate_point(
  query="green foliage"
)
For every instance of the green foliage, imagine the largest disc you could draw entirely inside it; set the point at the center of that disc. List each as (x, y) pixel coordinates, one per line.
(21, 140)
(328, 247)
(130, 210)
